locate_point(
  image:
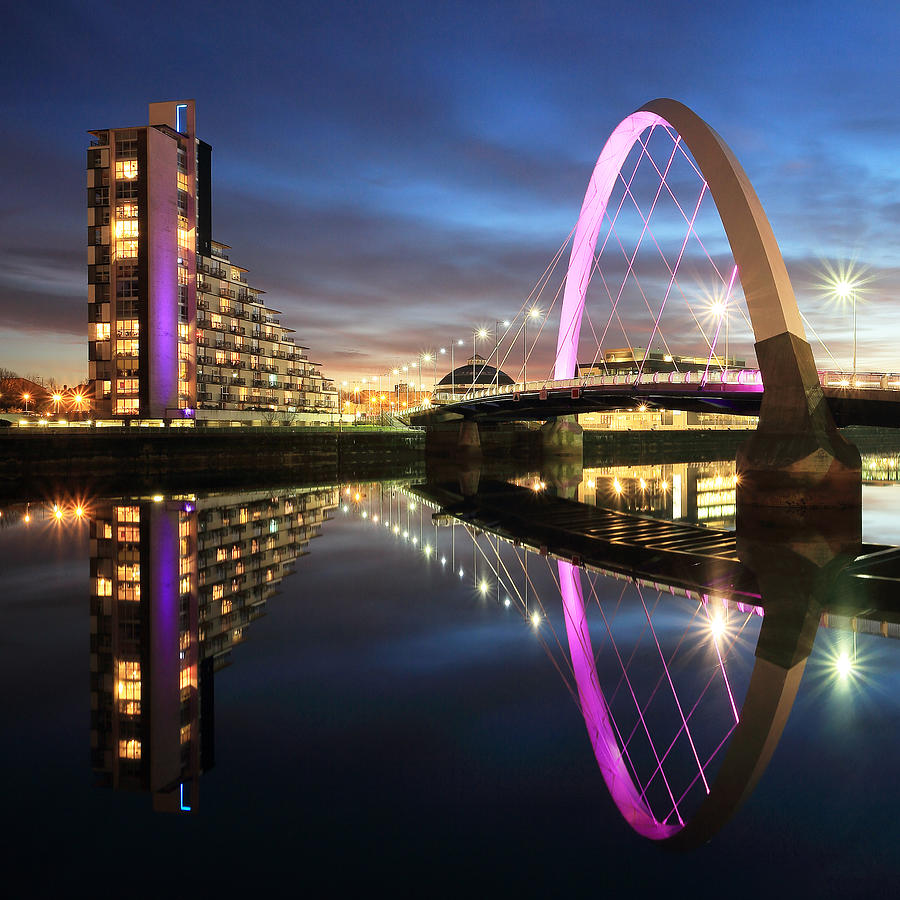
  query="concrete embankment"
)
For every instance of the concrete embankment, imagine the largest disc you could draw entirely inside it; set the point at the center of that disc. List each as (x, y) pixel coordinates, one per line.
(144, 458)
(141, 457)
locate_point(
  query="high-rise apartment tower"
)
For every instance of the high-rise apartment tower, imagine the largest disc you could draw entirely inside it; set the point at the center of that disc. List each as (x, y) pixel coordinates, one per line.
(175, 331)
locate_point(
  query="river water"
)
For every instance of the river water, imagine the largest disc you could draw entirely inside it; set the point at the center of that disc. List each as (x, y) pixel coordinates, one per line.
(336, 688)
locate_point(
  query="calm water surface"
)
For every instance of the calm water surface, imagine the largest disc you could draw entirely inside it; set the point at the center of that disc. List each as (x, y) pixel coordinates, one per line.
(390, 720)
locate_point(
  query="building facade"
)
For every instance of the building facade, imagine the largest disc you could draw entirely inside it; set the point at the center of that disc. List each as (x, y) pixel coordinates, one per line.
(175, 332)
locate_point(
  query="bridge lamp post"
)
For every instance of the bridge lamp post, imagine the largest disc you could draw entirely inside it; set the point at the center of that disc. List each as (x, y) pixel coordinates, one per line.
(844, 290)
(720, 310)
(481, 334)
(497, 324)
(453, 344)
(532, 313)
(432, 358)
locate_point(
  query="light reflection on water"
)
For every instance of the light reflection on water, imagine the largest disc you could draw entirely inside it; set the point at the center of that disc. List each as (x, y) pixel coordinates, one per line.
(374, 622)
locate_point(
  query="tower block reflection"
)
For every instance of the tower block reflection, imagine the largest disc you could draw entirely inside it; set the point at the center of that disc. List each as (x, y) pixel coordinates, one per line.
(174, 584)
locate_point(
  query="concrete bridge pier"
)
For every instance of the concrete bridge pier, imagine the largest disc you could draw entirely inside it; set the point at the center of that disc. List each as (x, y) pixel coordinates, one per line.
(562, 438)
(797, 459)
(562, 456)
(458, 438)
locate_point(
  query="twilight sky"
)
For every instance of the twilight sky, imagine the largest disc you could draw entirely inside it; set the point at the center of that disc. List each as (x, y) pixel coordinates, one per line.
(395, 174)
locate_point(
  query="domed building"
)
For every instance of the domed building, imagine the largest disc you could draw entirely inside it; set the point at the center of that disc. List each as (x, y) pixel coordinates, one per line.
(477, 374)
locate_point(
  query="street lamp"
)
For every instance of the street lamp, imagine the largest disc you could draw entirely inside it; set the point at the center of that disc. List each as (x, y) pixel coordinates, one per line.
(532, 313)
(843, 290)
(481, 334)
(457, 343)
(720, 311)
(26, 397)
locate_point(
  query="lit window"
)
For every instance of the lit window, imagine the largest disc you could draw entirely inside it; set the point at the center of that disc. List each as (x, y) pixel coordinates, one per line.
(188, 678)
(182, 181)
(218, 591)
(226, 607)
(220, 357)
(126, 228)
(128, 407)
(98, 331)
(127, 328)
(127, 385)
(127, 211)
(104, 587)
(127, 347)
(126, 169)
(184, 239)
(129, 749)
(128, 513)
(126, 248)
(221, 554)
(186, 733)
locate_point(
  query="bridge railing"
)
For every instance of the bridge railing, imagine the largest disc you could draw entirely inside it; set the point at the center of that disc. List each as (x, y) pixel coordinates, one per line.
(750, 379)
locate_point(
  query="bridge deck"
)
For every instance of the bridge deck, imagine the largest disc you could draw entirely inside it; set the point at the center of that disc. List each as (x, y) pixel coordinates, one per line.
(875, 400)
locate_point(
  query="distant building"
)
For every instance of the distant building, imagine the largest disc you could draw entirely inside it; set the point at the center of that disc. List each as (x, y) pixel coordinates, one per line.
(175, 331)
(477, 374)
(631, 360)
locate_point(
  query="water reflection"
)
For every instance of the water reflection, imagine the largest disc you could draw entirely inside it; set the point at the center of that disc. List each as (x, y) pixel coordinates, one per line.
(685, 683)
(683, 647)
(175, 581)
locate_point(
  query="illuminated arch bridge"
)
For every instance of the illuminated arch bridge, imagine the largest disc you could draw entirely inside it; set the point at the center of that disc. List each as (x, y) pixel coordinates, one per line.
(806, 401)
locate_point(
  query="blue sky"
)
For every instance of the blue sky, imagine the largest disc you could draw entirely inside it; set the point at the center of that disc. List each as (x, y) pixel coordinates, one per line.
(396, 174)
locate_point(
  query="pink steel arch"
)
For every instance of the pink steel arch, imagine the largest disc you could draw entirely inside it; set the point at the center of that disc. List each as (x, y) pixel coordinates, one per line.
(770, 298)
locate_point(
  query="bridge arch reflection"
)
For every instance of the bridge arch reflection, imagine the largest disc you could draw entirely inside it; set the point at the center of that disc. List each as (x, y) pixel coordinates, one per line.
(789, 581)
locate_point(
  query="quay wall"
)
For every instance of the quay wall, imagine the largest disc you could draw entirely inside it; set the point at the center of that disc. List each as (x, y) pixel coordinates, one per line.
(202, 457)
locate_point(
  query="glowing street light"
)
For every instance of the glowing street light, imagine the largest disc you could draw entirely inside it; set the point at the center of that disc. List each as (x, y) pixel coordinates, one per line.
(844, 282)
(844, 665)
(844, 290)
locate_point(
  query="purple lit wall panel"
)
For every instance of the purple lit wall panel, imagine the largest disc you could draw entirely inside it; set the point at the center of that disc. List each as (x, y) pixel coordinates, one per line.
(162, 250)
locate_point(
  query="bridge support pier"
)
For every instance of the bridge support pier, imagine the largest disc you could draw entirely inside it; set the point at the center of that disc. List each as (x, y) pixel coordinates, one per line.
(562, 456)
(797, 459)
(453, 440)
(562, 438)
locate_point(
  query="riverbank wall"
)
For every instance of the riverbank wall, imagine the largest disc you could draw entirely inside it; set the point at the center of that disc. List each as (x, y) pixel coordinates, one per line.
(143, 457)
